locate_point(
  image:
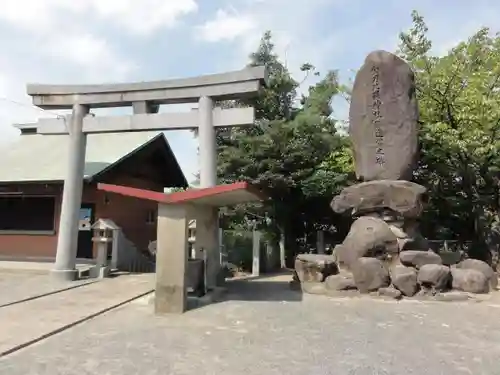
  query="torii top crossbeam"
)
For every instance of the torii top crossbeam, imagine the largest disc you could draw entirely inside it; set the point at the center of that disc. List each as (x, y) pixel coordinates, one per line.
(222, 86)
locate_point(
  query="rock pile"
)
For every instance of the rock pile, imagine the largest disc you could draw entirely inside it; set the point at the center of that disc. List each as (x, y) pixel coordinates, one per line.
(384, 252)
(420, 273)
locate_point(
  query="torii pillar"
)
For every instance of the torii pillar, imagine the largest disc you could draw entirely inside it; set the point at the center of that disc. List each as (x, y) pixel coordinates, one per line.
(174, 211)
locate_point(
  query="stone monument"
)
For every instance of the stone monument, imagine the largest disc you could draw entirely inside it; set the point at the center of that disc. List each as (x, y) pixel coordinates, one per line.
(384, 252)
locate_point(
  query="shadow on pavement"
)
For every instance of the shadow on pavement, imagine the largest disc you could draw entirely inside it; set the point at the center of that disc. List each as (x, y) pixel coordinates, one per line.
(261, 290)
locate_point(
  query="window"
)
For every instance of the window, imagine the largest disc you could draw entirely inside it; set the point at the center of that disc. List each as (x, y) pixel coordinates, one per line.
(27, 213)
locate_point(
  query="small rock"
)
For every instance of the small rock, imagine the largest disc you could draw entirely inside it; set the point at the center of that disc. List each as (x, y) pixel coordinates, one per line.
(398, 231)
(339, 282)
(434, 276)
(452, 296)
(424, 294)
(415, 258)
(390, 292)
(479, 265)
(315, 267)
(469, 280)
(313, 288)
(405, 280)
(370, 274)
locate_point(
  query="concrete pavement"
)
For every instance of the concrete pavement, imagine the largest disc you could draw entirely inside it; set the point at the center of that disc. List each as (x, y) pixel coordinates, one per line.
(264, 328)
(24, 323)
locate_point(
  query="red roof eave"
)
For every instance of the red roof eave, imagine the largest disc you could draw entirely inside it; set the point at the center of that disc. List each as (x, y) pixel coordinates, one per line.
(182, 196)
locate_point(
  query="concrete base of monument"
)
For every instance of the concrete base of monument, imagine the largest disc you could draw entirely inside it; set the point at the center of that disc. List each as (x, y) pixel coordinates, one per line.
(392, 294)
(411, 274)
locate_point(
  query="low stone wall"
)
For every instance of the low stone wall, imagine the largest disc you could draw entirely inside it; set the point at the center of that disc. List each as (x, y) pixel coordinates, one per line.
(416, 274)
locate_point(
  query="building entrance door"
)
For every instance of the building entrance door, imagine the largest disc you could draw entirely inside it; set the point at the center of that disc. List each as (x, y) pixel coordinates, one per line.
(85, 245)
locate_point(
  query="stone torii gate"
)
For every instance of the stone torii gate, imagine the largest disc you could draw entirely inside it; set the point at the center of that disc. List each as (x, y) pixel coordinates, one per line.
(145, 98)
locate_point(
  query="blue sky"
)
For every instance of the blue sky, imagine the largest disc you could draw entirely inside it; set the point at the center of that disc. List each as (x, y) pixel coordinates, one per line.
(92, 41)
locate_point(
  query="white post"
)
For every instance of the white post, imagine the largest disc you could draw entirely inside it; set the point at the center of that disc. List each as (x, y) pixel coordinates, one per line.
(221, 246)
(256, 253)
(320, 242)
(67, 240)
(282, 250)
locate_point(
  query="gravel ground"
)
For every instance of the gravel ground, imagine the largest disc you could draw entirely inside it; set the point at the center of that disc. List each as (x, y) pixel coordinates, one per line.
(263, 328)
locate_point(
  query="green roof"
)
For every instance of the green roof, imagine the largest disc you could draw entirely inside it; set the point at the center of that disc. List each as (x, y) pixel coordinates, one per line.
(34, 157)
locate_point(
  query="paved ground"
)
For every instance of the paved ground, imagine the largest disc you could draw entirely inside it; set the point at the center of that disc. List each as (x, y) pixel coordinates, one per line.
(18, 286)
(25, 322)
(265, 329)
(41, 268)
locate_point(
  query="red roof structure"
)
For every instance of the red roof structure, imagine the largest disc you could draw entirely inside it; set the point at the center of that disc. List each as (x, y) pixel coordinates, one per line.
(217, 196)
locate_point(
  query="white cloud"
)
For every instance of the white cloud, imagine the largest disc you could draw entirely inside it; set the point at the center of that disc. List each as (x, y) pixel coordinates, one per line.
(291, 23)
(65, 40)
(227, 25)
(145, 16)
(90, 52)
(136, 17)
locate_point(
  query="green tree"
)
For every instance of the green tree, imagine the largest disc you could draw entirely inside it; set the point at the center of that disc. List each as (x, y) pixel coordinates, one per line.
(459, 98)
(288, 153)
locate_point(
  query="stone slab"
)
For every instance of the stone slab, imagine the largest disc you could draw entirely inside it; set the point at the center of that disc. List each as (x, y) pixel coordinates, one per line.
(383, 119)
(27, 322)
(229, 85)
(403, 197)
(143, 122)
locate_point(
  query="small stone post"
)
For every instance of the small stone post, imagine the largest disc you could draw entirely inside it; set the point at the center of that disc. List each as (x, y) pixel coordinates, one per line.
(255, 252)
(320, 242)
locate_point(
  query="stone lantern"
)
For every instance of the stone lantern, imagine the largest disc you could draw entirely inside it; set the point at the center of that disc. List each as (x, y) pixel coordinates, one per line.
(103, 234)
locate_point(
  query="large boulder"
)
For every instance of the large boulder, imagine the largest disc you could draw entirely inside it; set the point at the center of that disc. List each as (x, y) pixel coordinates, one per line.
(479, 265)
(340, 282)
(405, 280)
(469, 280)
(370, 274)
(315, 267)
(434, 276)
(383, 119)
(415, 258)
(401, 197)
(368, 237)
